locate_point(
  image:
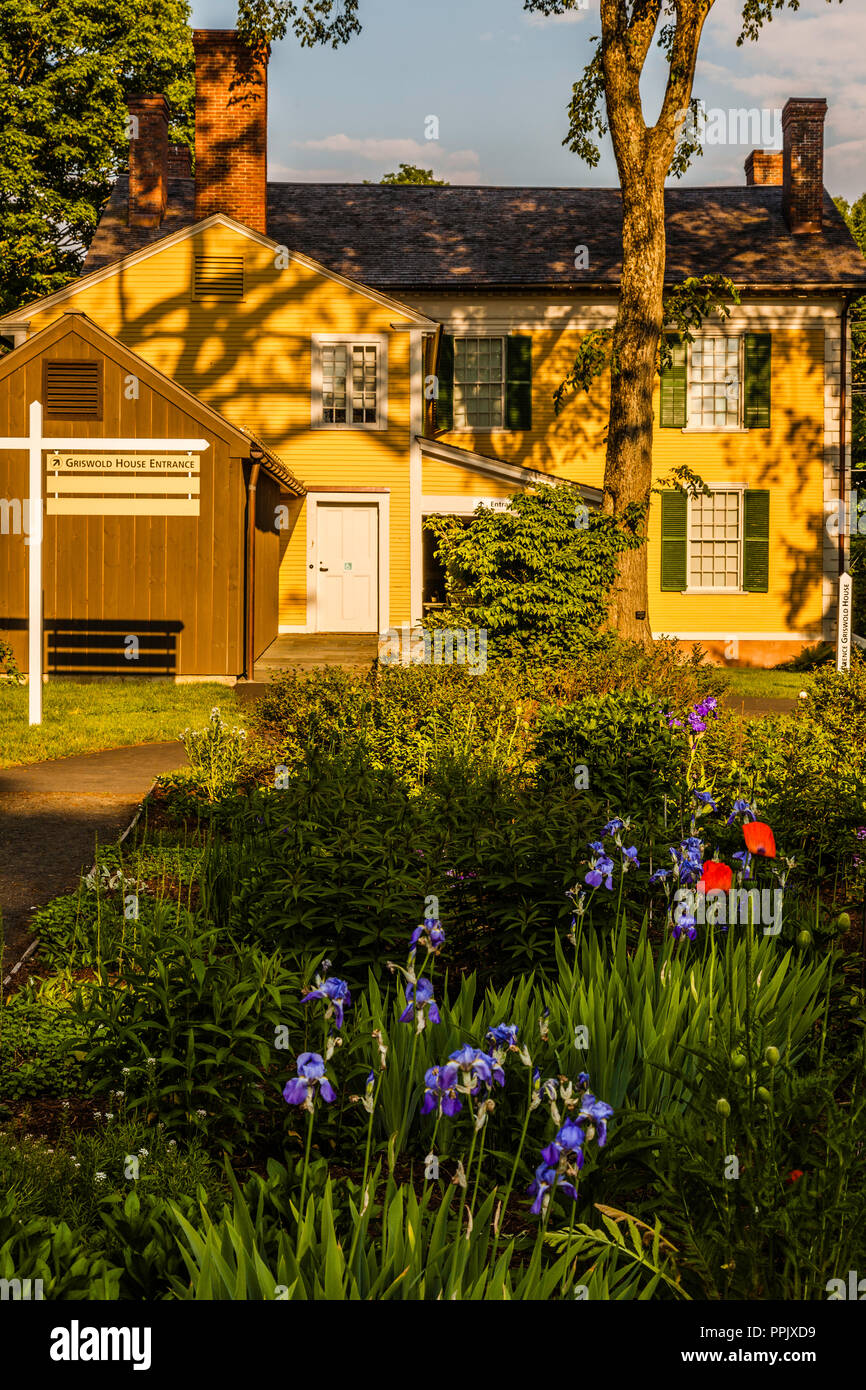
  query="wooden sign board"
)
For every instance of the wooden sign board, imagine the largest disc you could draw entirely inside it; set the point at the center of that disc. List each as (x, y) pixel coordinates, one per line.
(844, 630)
(124, 463)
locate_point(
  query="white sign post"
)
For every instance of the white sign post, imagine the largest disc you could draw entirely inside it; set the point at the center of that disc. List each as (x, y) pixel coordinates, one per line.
(34, 605)
(843, 637)
(35, 444)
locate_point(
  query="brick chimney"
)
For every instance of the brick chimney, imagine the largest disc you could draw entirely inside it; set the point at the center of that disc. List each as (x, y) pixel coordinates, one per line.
(179, 162)
(148, 159)
(803, 163)
(764, 167)
(231, 127)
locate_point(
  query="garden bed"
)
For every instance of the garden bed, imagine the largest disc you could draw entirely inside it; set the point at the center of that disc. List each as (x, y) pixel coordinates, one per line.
(230, 1005)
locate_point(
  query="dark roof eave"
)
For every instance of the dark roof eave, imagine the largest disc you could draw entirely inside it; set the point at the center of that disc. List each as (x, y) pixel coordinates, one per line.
(609, 288)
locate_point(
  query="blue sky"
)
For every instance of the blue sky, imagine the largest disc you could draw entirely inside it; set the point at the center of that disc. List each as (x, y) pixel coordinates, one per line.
(499, 80)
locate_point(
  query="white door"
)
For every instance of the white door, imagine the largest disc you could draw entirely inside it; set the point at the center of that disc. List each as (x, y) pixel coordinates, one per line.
(348, 567)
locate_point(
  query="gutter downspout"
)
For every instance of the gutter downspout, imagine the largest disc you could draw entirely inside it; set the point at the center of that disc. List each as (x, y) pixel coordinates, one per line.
(250, 568)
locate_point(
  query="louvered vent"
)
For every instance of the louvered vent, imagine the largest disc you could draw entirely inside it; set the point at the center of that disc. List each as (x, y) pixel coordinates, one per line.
(219, 277)
(73, 390)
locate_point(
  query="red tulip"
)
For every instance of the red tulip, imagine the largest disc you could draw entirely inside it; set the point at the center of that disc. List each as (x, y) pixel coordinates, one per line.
(759, 838)
(716, 876)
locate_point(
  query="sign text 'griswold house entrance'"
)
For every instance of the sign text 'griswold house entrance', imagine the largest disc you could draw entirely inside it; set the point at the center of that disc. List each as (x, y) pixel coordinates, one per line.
(398, 349)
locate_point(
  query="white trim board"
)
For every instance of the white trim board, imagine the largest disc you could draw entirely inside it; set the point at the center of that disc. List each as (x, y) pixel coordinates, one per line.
(381, 500)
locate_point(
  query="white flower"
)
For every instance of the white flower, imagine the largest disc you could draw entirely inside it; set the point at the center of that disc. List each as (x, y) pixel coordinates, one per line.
(109, 1114)
(172, 1144)
(202, 1114)
(804, 694)
(151, 1061)
(99, 1177)
(97, 1114)
(142, 1153)
(124, 1071)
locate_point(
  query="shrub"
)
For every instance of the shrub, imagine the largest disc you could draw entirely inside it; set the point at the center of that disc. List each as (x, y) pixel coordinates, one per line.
(537, 575)
(624, 744)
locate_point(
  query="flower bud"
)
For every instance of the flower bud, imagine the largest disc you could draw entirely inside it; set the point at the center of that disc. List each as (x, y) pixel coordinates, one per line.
(771, 1056)
(738, 1061)
(723, 1108)
(764, 1095)
(804, 938)
(843, 921)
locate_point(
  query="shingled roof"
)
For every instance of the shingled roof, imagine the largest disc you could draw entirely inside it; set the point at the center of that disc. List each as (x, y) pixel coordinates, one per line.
(398, 238)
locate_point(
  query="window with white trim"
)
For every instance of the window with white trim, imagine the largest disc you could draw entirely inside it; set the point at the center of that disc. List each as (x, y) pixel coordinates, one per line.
(351, 388)
(715, 533)
(479, 383)
(714, 383)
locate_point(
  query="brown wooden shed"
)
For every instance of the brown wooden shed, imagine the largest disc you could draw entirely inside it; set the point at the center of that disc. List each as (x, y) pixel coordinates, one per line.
(198, 591)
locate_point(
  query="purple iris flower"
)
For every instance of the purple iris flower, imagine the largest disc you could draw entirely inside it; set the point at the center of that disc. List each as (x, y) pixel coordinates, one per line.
(571, 1139)
(430, 933)
(689, 859)
(336, 992)
(422, 992)
(599, 1112)
(685, 924)
(440, 1090)
(745, 859)
(660, 875)
(631, 856)
(744, 809)
(583, 1078)
(613, 826)
(704, 799)
(503, 1034)
(547, 1180)
(600, 871)
(480, 1066)
(301, 1089)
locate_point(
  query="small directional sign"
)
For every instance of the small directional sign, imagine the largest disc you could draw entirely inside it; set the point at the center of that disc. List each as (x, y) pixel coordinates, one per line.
(843, 638)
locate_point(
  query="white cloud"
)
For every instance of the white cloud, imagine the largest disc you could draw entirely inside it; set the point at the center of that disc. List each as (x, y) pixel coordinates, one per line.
(459, 166)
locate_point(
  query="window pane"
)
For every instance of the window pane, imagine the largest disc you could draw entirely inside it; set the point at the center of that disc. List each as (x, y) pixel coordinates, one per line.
(478, 383)
(714, 552)
(714, 389)
(349, 385)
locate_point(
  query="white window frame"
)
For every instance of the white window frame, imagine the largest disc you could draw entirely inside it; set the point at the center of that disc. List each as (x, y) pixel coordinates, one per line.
(739, 427)
(480, 429)
(739, 488)
(320, 340)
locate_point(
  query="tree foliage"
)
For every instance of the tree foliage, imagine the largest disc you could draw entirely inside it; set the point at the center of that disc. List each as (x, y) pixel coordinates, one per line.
(66, 68)
(411, 173)
(855, 217)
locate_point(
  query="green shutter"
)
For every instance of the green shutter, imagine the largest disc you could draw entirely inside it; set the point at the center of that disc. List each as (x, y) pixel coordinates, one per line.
(518, 382)
(674, 566)
(445, 373)
(674, 388)
(756, 396)
(756, 541)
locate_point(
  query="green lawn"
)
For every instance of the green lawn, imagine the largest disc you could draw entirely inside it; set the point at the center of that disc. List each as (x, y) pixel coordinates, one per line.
(84, 716)
(769, 683)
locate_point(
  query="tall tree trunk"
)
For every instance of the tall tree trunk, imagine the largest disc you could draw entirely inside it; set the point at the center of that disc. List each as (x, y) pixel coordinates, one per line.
(628, 463)
(643, 156)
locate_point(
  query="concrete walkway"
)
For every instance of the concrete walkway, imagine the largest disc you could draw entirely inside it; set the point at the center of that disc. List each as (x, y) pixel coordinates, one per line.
(51, 816)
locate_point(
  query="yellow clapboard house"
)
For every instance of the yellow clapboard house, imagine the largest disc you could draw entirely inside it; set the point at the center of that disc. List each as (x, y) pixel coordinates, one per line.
(321, 320)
